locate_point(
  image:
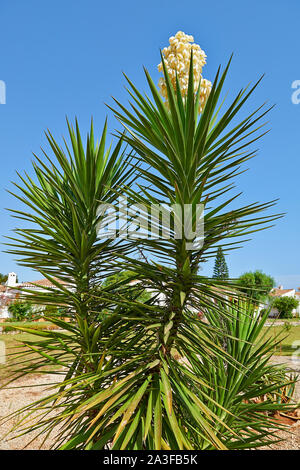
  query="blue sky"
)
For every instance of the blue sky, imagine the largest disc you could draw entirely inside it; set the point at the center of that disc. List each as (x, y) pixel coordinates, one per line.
(66, 57)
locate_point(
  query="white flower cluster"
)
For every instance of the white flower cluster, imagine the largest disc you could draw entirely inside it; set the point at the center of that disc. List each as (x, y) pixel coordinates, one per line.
(177, 60)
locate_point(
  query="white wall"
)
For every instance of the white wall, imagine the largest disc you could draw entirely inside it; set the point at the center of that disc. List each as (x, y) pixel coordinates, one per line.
(4, 313)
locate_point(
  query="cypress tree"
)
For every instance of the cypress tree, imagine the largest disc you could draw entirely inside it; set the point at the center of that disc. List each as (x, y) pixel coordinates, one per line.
(220, 268)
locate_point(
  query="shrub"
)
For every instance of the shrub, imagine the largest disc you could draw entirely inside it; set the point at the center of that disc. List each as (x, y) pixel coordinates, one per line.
(256, 285)
(285, 306)
(7, 329)
(21, 310)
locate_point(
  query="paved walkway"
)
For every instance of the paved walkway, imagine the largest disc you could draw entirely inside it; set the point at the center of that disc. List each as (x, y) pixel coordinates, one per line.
(282, 323)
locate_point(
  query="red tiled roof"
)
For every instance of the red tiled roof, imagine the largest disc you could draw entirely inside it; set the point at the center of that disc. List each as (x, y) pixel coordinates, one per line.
(42, 283)
(278, 292)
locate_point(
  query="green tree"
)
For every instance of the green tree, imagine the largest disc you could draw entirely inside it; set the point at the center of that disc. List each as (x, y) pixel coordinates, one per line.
(220, 268)
(3, 278)
(134, 290)
(21, 310)
(256, 285)
(285, 306)
(119, 277)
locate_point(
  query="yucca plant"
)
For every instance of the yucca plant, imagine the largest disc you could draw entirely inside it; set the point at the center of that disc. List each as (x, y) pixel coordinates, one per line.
(62, 243)
(123, 385)
(252, 390)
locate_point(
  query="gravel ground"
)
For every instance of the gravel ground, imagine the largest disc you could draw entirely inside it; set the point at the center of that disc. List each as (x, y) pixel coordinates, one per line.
(27, 392)
(294, 365)
(13, 399)
(291, 438)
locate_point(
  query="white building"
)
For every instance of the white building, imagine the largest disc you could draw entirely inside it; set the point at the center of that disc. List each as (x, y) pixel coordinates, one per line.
(281, 292)
(11, 291)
